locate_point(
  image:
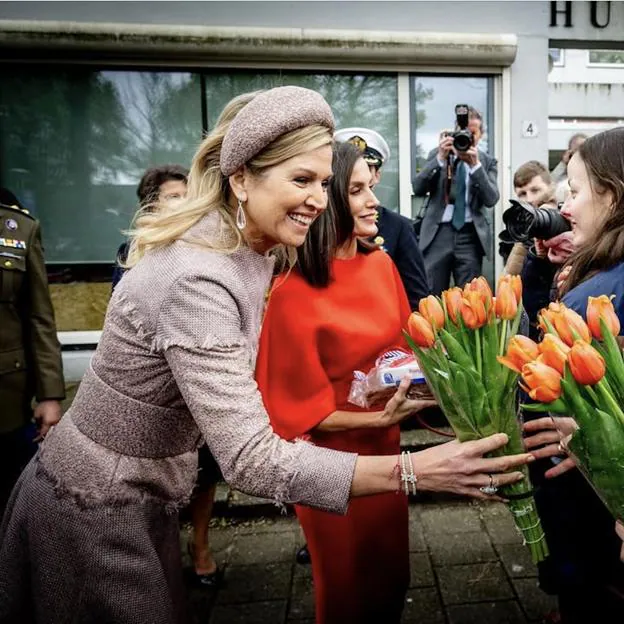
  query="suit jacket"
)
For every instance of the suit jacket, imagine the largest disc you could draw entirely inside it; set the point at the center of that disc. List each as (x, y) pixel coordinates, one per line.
(483, 196)
(400, 241)
(30, 354)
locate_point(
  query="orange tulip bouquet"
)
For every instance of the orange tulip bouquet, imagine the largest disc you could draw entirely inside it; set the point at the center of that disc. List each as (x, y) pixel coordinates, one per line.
(459, 340)
(577, 374)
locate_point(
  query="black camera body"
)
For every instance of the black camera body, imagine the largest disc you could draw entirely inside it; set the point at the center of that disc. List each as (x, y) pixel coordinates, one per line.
(525, 222)
(462, 138)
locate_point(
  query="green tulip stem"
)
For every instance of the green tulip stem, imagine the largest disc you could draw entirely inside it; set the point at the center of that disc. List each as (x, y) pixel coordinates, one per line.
(593, 395)
(478, 349)
(609, 400)
(503, 337)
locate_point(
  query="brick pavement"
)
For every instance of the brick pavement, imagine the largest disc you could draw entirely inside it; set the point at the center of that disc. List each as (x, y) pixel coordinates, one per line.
(467, 564)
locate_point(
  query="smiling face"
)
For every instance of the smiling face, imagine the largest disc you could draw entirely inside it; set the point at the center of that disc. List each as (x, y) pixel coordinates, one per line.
(585, 207)
(362, 201)
(281, 203)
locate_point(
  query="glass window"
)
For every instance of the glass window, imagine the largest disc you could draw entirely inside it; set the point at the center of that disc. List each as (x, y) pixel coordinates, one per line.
(74, 144)
(557, 56)
(357, 100)
(606, 57)
(433, 101)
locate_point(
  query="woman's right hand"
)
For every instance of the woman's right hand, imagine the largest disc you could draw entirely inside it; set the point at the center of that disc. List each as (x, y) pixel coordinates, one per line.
(460, 468)
(399, 407)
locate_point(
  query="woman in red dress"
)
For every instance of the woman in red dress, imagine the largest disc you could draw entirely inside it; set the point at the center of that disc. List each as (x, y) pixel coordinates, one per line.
(328, 317)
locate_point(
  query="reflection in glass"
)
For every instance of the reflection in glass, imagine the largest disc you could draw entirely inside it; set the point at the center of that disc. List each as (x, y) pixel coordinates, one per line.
(74, 143)
(367, 101)
(433, 101)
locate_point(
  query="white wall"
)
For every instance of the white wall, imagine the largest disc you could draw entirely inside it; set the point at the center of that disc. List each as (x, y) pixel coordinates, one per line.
(487, 17)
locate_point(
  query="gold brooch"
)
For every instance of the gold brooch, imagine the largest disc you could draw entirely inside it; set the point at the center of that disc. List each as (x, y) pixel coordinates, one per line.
(379, 240)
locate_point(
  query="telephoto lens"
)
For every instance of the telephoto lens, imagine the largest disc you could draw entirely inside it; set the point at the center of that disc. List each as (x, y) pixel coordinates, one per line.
(524, 222)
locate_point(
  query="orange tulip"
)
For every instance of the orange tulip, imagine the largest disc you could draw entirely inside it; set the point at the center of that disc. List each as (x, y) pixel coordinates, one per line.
(602, 308)
(452, 300)
(506, 304)
(566, 322)
(481, 286)
(542, 382)
(420, 330)
(520, 351)
(549, 315)
(553, 352)
(492, 310)
(473, 310)
(431, 308)
(516, 285)
(586, 364)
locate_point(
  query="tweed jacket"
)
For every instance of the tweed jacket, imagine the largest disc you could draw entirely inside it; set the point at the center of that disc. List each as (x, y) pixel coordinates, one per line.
(174, 366)
(483, 192)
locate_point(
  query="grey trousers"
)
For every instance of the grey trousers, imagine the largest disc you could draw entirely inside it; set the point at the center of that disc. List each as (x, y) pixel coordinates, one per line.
(452, 252)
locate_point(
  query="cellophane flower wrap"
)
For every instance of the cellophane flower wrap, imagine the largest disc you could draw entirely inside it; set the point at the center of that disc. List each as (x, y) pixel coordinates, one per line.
(583, 365)
(459, 340)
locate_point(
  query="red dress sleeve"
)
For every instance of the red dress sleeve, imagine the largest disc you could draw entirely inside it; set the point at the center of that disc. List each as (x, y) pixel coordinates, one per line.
(303, 395)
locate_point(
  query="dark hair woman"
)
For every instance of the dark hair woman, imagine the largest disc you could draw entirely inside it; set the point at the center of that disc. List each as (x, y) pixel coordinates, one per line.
(341, 307)
(584, 568)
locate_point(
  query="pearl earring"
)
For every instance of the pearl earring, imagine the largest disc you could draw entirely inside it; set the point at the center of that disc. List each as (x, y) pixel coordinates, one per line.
(241, 219)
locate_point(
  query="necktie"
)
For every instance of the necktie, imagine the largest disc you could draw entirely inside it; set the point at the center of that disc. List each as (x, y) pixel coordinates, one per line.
(459, 212)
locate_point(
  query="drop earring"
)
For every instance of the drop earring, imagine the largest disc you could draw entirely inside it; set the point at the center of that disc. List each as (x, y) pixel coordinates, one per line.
(241, 219)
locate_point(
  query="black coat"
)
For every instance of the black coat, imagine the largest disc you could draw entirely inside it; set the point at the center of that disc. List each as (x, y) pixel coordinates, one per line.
(401, 244)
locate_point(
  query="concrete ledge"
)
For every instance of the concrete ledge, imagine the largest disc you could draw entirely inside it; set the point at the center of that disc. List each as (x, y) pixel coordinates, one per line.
(256, 45)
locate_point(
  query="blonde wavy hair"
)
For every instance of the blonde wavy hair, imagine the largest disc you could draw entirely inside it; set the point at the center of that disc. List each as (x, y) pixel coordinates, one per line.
(162, 223)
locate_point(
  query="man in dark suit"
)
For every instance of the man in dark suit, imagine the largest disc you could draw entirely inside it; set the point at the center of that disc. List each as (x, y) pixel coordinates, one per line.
(456, 227)
(395, 233)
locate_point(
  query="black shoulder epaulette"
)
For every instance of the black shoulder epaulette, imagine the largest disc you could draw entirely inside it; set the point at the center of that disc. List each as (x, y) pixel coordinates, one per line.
(17, 209)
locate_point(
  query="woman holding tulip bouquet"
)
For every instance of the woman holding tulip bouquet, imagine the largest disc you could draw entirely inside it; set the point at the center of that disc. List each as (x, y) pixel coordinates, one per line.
(341, 307)
(584, 567)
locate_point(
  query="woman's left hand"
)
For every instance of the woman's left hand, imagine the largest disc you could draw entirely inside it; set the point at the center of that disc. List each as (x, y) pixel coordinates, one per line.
(400, 407)
(545, 441)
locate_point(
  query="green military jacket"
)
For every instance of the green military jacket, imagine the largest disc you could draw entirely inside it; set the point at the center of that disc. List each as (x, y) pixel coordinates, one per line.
(30, 354)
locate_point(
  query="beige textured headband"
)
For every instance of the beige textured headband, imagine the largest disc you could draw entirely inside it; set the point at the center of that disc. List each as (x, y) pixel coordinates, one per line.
(269, 115)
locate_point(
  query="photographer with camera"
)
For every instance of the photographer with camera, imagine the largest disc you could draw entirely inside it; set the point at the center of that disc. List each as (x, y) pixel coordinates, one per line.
(540, 237)
(461, 182)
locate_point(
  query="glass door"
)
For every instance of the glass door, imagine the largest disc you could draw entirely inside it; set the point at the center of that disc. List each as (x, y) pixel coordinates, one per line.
(432, 107)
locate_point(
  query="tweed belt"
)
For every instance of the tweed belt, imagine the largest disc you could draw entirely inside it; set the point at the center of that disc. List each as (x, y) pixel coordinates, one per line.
(128, 426)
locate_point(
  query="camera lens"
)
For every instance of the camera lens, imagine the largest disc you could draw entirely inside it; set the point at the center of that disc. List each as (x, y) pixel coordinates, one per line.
(462, 140)
(525, 222)
(549, 223)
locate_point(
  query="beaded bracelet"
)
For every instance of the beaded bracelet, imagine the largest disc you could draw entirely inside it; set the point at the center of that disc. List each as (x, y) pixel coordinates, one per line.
(408, 478)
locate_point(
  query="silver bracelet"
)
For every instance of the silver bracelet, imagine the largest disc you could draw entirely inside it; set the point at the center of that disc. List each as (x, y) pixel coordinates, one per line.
(408, 478)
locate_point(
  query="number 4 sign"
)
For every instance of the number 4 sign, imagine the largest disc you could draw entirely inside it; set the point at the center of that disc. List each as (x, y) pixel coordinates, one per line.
(529, 129)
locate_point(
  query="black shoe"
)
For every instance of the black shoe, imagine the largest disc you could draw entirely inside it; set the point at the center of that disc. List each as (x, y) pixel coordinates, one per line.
(303, 555)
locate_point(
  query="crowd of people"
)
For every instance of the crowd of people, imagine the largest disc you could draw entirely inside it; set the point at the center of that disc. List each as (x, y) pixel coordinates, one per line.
(250, 289)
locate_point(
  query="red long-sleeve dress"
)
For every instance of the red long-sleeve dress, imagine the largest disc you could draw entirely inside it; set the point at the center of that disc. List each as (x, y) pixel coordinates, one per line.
(312, 340)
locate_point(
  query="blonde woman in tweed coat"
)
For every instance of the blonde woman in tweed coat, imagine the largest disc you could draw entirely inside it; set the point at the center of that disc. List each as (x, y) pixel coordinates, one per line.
(90, 534)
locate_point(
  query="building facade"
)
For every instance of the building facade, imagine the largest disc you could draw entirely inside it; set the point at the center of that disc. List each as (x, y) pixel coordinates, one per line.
(95, 92)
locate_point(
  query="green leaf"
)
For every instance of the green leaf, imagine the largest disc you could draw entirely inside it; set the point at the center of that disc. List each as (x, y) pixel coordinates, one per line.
(456, 351)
